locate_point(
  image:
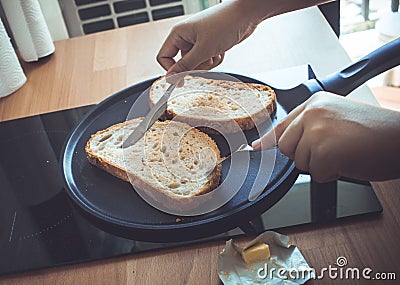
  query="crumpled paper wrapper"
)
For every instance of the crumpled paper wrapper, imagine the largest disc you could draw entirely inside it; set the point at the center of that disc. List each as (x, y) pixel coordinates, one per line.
(285, 257)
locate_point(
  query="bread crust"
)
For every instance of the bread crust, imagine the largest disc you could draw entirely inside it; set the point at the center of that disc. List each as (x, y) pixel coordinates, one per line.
(151, 189)
(228, 125)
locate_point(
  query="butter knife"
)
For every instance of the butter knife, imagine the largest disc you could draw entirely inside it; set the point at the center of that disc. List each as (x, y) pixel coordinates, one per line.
(244, 147)
(154, 114)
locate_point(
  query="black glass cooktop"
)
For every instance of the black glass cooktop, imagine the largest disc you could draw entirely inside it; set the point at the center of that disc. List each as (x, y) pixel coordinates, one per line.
(40, 228)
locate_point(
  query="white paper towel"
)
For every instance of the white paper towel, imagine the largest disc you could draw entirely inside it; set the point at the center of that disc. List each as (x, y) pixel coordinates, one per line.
(12, 76)
(29, 28)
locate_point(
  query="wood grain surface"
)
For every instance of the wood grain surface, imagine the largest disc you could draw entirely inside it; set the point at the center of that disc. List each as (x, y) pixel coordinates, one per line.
(88, 69)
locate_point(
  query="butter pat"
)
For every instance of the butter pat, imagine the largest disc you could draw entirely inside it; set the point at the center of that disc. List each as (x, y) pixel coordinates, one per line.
(258, 252)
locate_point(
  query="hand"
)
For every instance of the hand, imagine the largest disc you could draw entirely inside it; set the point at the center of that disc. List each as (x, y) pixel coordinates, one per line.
(204, 38)
(332, 136)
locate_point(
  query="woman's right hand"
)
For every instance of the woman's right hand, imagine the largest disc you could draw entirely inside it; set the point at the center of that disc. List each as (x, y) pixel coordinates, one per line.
(331, 136)
(203, 38)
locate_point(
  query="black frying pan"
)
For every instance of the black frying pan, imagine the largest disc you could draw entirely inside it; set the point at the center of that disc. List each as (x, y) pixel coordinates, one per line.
(113, 205)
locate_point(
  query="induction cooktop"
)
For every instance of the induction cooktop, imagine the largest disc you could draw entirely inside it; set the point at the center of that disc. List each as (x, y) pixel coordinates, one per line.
(41, 228)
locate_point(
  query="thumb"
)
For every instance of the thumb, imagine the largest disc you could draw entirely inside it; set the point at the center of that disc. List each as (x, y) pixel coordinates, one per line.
(188, 62)
(271, 138)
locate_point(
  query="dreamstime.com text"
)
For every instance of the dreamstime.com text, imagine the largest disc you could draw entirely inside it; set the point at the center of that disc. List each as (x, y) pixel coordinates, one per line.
(338, 271)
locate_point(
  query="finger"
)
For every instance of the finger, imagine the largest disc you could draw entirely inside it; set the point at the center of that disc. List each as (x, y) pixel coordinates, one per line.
(186, 63)
(170, 48)
(290, 138)
(302, 154)
(178, 78)
(295, 113)
(185, 50)
(321, 170)
(165, 56)
(190, 61)
(217, 60)
(205, 65)
(272, 137)
(211, 63)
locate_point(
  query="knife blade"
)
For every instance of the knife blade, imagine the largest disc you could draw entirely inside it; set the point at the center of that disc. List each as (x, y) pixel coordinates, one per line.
(154, 114)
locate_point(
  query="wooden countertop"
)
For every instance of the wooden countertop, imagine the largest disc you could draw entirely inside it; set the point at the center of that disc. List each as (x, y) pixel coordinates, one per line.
(87, 69)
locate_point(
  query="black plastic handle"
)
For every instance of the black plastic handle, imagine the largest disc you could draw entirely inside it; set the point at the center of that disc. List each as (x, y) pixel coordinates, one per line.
(378, 61)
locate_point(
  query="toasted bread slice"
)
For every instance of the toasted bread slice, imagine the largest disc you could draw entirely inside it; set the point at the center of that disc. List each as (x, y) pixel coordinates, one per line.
(173, 161)
(217, 104)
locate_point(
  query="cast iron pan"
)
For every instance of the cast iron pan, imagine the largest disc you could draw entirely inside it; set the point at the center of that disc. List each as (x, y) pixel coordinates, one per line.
(115, 207)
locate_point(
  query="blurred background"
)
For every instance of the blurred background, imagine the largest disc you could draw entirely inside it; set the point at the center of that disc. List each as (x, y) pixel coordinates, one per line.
(362, 25)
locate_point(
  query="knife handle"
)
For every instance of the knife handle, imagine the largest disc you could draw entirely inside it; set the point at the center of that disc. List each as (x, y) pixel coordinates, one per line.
(378, 61)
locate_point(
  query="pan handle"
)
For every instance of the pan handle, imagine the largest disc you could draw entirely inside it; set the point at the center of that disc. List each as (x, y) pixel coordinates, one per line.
(378, 61)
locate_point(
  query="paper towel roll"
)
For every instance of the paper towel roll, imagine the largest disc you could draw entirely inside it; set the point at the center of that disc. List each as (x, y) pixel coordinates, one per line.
(12, 76)
(29, 28)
